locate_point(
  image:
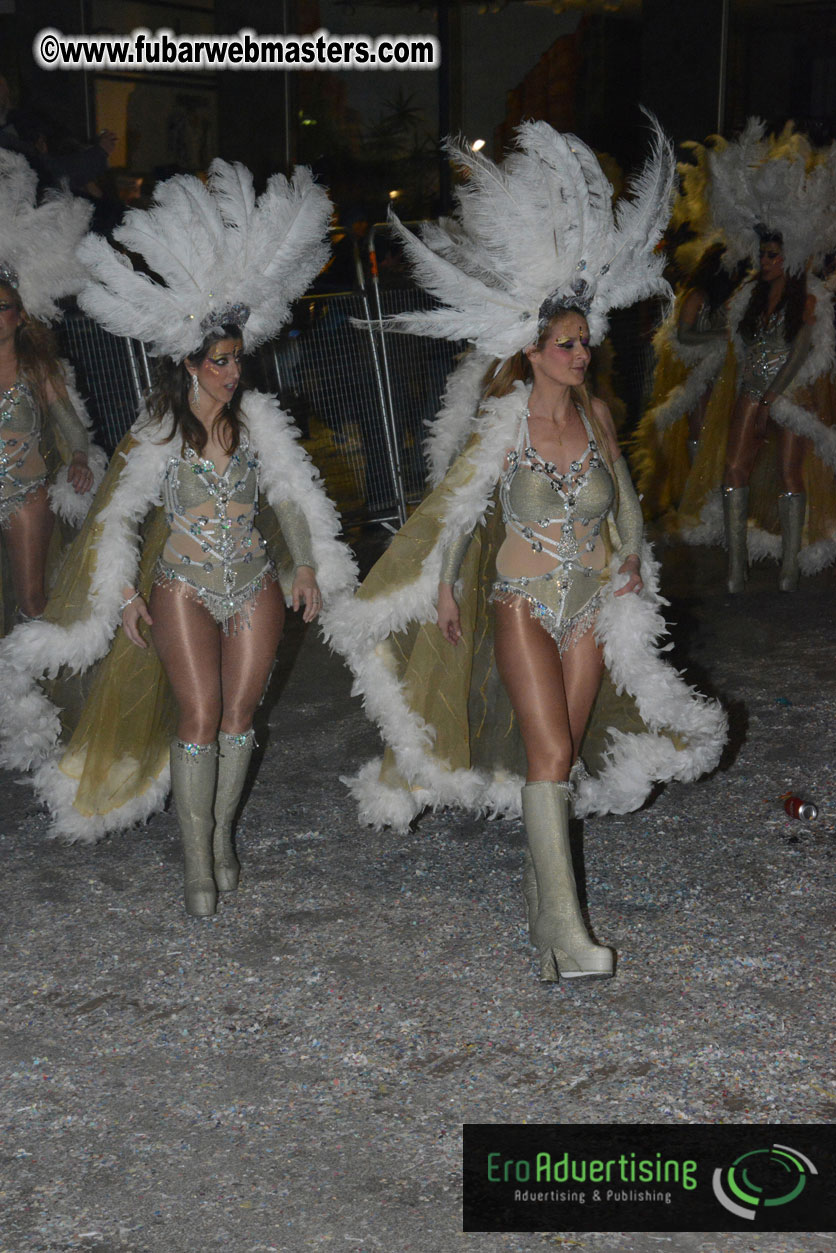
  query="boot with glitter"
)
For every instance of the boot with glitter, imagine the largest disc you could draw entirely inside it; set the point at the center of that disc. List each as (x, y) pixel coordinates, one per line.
(735, 520)
(792, 507)
(559, 931)
(234, 753)
(194, 771)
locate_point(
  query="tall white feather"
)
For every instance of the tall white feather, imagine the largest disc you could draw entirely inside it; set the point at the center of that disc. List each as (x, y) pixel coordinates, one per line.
(39, 241)
(779, 185)
(203, 248)
(536, 227)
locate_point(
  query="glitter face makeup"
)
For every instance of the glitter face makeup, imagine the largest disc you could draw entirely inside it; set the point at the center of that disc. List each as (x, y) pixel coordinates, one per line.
(565, 356)
(219, 373)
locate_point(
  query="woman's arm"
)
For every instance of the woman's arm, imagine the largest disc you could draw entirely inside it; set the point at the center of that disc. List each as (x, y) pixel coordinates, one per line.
(799, 352)
(689, 312)
(297, 535)
(134, 610)
(73, 431)
(628, 518)
(448, 619)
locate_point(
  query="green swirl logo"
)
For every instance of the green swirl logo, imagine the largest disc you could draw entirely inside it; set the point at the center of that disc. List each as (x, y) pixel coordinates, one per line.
(761, 1179)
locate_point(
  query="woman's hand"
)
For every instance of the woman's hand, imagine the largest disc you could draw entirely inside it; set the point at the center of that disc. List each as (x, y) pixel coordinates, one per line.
(632, 568)
(132, 614)
(448, 620)
(79, 473)
(305, 591)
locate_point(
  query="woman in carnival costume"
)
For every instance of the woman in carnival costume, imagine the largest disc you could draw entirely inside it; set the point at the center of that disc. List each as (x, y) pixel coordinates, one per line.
(47, 463)
(208, 506)
(689, 346)
(768, 451)
(505, 630)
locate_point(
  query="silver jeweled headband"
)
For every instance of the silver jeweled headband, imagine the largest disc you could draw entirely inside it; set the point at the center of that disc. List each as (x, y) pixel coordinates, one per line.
(579, 300)
(230, 315)
(9, 275)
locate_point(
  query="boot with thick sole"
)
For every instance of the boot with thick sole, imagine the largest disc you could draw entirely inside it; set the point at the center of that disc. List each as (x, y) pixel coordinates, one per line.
(559, 931)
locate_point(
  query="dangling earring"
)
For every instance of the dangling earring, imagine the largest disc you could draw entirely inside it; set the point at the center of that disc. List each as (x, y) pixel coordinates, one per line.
(195, 391)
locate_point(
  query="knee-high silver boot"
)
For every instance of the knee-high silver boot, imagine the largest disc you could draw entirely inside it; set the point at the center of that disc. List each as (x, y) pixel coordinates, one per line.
(559, 931)
(577, 775)
(529, 889)
(792, 508)
(194, 772)
(234, 753)
(735, 519)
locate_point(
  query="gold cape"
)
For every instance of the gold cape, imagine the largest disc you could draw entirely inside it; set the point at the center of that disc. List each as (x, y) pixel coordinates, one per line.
(88, 710)
(450, 735)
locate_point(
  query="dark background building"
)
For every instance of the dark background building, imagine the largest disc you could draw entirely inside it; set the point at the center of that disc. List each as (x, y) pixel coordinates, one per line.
(701, 65)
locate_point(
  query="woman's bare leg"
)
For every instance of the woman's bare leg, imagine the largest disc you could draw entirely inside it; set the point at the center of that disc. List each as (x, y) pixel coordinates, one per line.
(27, 535)
(792, 449)
(551, 697)
(247, 657)
(188, 643)
(747, 431)
(529, 665)
(583, 665)
(186, 638)
(552, 700)
(246, 660)
(746, 435)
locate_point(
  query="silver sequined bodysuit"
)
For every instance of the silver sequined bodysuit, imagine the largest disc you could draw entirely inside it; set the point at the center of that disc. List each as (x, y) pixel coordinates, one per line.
(765, 354)
(22, 468)
(553, 555)
(213, 546)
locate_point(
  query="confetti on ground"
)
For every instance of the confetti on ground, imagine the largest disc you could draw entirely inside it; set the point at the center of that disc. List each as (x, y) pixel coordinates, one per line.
(293, 1073)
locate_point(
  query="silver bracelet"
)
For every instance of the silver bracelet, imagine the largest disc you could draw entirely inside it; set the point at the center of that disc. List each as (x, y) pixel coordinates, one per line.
(127, 602)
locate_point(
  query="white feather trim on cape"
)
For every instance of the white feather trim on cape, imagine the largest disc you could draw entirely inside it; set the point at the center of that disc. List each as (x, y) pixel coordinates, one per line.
(705, 362)
(630, 628)
(29, 723)
(449, 430)
(64, 499)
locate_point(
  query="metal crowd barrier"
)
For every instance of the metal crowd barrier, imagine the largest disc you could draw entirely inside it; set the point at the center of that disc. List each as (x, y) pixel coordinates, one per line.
(362, 396)
(112, 374)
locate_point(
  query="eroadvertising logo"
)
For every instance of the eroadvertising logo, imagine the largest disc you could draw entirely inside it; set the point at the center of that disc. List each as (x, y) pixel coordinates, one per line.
(762, 1177)
(649, 1177)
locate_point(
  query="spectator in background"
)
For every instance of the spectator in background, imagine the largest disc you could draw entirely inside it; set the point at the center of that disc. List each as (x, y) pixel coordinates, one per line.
(59, 158)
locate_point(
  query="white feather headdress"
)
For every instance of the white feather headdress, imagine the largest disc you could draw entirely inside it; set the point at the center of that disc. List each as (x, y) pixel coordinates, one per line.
(38, 242)
(536, 234)
(763, 187)
(214, 254)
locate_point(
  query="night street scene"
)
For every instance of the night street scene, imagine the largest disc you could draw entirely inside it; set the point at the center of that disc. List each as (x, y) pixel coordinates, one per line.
(418, 531)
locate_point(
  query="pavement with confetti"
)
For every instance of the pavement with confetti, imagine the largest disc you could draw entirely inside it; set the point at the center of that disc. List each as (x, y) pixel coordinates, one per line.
(294, 1073)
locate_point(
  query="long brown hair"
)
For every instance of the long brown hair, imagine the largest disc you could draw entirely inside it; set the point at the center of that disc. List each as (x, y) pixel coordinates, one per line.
(36, 351)
(169, 398)
(793, 299)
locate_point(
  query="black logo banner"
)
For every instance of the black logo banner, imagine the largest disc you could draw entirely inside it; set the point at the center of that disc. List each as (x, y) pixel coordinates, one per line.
(649, 1177)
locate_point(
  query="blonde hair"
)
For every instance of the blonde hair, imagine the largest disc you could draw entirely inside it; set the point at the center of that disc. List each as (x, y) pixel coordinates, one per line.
(500, 377)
